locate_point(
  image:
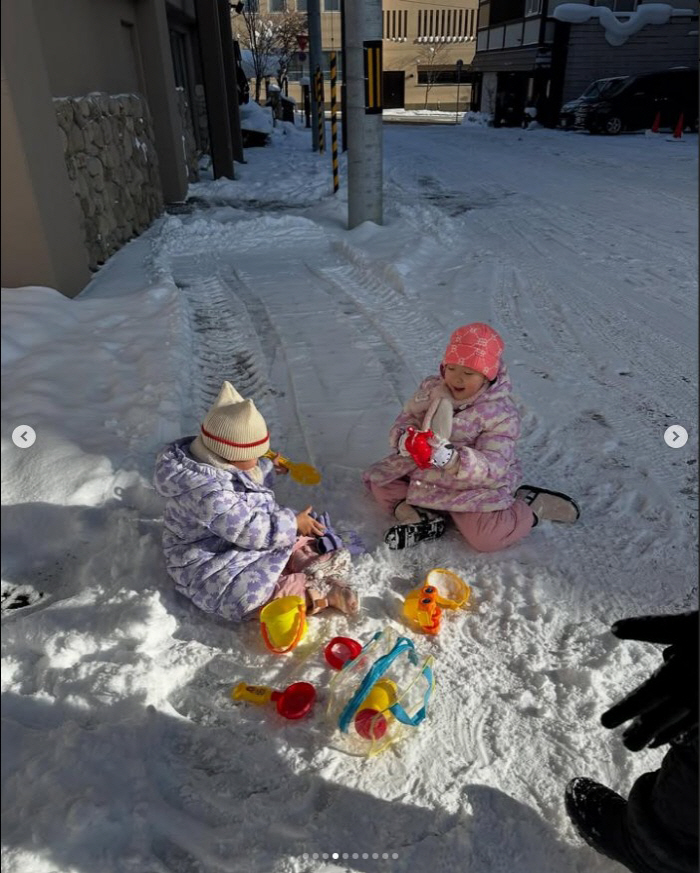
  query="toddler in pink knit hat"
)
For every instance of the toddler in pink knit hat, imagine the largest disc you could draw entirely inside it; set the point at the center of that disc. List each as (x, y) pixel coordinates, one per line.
(454, 455)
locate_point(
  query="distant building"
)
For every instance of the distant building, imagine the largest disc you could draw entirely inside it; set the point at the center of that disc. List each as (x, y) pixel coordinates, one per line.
(422, 43)
(527, 56)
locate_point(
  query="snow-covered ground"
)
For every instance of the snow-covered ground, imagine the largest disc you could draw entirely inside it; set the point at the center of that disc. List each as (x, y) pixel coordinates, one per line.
(122, 750)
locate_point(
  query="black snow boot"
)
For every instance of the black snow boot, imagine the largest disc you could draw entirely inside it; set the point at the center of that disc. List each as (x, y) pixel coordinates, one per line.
(402, 536)
(600, 817)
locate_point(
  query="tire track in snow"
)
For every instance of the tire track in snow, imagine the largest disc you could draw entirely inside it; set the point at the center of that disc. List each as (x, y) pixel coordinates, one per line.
(290, 315)
(224, 339)
(412, 335)
(271, 337)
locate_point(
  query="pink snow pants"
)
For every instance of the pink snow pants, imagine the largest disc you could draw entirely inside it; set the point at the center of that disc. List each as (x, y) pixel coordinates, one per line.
(484, 531)
(293, 580)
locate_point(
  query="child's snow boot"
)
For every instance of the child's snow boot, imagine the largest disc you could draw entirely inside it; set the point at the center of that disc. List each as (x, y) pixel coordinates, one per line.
(428, 526)
(338, 594)
(549, 505)
(329, 564)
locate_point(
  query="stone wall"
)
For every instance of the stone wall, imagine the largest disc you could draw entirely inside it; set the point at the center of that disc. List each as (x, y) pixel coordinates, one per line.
(112, 164)
(189, 141)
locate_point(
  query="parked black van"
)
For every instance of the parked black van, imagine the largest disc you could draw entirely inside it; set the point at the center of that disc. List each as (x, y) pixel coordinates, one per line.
(567, 113)
(633, 103)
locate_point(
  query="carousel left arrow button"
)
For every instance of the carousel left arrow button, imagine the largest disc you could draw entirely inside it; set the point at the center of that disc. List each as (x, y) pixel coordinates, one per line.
(23, 436)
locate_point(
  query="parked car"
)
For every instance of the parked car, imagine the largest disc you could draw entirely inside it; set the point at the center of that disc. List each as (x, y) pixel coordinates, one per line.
(634, 102)
(567, 113)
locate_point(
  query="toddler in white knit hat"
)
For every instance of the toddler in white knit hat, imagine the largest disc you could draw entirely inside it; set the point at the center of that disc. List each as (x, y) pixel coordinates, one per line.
(229, 546)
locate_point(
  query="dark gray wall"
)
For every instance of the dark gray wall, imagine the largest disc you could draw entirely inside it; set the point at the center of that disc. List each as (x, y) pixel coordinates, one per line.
(655, 47)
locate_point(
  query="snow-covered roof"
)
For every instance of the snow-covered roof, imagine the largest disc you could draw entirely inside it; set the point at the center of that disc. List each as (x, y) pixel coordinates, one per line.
(618, 31)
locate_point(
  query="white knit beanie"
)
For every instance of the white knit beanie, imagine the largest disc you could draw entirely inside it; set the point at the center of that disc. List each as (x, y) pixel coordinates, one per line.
(233, 428)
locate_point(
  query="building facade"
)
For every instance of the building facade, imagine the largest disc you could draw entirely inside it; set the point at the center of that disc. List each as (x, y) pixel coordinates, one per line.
(103, 120)
(422, 43)
(530, 55)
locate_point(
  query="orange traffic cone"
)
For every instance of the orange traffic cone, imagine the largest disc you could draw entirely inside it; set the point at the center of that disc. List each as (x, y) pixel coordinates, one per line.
(678, 132)
(657, 122)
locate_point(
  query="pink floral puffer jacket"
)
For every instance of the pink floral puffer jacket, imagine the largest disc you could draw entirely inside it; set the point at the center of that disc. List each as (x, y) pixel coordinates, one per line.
(485, 429)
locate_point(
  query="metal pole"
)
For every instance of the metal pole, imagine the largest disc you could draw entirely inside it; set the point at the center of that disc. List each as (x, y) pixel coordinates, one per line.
(459, 66)
(363, 67)
(344, 84)
(334, 124)
(315, 62)
(318, 86)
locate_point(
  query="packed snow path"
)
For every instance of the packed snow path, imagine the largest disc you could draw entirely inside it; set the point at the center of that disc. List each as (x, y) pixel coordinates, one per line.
(128, 754)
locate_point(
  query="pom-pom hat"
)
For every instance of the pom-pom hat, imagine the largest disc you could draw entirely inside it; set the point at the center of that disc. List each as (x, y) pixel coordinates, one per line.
(476, 346)
(233, 428)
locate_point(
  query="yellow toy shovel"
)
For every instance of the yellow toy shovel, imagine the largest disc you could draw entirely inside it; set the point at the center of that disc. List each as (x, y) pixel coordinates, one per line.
(304, 474)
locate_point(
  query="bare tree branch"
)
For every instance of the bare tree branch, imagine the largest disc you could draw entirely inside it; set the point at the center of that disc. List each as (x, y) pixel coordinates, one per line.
(271, 40)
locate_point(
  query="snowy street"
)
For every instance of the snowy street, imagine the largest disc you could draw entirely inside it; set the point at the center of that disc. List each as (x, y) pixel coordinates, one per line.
(123, 752)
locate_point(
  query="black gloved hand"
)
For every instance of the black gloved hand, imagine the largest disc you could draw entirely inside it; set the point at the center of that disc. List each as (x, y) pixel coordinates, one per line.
(666, 705)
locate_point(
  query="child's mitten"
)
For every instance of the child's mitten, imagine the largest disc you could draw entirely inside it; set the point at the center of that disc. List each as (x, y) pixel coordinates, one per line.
(443, 453)
(429, 450)
(401, 443)
(330, 541)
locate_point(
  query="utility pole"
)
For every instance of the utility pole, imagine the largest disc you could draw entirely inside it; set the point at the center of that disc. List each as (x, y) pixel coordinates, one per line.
(363, 37)
(315, 63)
(344, 85)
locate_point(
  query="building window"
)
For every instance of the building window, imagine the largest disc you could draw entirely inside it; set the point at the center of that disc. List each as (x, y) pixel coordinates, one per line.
(444, 76)
(514, 35)
(331, 5)
(395, 24)
(301, 6)
(506, 10)
(278, 6)
(443, 25)
(496, 37)
(533, 7)
(531, 32)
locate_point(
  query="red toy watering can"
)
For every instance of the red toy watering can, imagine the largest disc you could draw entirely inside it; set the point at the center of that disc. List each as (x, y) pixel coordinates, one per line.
(294, 702)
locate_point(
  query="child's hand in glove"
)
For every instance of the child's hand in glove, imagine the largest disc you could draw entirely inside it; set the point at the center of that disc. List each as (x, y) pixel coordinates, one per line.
(666, 704)
(426, 448)
(401, 443)
(443, 453)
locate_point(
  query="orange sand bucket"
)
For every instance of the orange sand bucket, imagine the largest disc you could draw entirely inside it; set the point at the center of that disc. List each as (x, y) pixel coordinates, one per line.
(283, 623)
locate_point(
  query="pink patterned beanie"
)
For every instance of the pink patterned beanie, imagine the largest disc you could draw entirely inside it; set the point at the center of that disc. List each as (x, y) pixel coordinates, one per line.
(476, 346)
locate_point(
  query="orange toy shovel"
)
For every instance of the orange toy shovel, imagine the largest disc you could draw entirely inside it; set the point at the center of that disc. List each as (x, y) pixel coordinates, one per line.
(304, 474)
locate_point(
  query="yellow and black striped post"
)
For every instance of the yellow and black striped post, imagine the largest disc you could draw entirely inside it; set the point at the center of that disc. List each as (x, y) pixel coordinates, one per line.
(373, 76)
(318, 90)
(334, 122)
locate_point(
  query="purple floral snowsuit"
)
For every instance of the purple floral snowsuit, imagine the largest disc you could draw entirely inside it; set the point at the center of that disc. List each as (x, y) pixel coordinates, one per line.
(226, 540)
